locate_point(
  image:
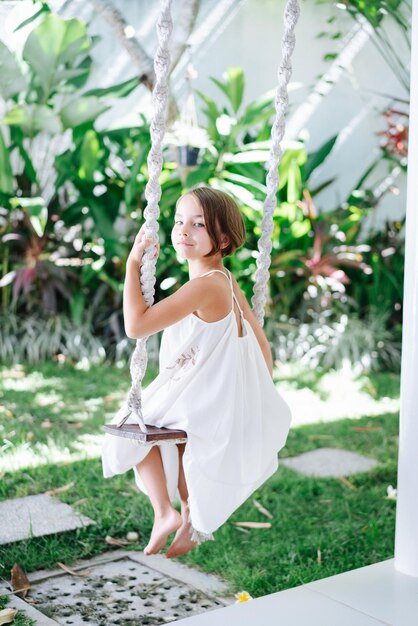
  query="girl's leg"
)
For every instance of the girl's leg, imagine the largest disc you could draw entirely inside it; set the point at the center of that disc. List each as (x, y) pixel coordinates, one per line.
(182, 542)
(182, 485)
(166, 518)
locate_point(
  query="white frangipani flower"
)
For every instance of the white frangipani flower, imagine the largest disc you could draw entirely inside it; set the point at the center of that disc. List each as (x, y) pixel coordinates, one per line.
(391, 493)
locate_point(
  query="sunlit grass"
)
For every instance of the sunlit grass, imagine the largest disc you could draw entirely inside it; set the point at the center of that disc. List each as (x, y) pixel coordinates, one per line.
(320, 527)
(55, 413)
(323, 397)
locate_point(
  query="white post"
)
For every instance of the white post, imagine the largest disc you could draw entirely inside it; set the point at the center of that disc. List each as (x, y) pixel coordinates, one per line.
(406, 536)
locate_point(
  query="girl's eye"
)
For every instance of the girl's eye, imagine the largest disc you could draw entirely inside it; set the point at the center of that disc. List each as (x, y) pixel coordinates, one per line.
(179, 222)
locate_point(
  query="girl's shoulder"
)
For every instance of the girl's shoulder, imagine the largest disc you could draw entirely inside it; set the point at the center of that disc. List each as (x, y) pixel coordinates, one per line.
(210, 277)
(205, 287)
(215, 302)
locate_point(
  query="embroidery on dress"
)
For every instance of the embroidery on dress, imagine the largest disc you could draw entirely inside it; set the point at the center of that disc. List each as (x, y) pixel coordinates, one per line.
(184, 362)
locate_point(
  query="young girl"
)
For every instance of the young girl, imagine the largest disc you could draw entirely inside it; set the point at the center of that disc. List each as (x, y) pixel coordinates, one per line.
(214, 383)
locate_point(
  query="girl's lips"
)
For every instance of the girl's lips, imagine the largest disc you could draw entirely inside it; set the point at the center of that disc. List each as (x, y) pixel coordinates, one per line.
(184, 243)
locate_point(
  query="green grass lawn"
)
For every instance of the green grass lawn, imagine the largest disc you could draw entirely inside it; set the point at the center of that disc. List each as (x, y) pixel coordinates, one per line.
(320, 527)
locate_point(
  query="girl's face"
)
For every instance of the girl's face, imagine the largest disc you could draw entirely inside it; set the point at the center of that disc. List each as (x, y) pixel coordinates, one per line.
(189, 235)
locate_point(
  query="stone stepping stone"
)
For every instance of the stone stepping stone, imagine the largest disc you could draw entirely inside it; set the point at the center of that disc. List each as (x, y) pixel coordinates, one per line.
(325, 462)
(121, 588)
(36, 516)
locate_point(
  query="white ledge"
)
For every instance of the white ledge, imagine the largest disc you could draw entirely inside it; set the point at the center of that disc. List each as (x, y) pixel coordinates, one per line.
(369, 596)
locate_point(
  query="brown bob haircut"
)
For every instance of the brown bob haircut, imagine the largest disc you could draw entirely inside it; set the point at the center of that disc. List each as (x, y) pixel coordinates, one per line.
(222, 217)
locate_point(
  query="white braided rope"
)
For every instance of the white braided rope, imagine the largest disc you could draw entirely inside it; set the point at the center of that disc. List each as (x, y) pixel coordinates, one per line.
(138, 363)
(153, 189)
(262, 274)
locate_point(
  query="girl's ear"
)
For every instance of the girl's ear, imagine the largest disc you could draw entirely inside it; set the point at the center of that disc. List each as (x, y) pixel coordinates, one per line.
(224, 241)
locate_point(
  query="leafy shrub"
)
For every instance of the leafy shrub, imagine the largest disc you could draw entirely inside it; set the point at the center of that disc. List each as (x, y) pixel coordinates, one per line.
(36, 338)
(331, 343)
(66, 242)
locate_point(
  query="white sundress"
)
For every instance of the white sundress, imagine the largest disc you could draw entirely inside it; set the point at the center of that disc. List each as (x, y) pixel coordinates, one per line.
(216, 386)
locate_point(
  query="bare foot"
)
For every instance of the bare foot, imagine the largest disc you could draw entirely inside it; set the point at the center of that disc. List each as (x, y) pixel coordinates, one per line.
(182, 542)
(163, 526)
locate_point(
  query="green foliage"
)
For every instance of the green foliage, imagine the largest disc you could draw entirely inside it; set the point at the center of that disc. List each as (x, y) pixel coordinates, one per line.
(79, 338)
(54, 50)
(375, 11)
(383, 289)
(34, 339)
(34, 229)
(344, 339)
(233, 86)
(65, 249)
(6, 174)
(379, 13)
(12, 80)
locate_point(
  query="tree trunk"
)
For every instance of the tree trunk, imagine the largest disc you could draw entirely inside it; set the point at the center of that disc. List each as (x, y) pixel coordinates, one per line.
(139, 56)
(183, 30)
(143, 62)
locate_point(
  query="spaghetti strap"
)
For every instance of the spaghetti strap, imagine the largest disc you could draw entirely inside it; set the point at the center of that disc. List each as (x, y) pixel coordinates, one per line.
(233, 298)
(228, 277)
(241, 312)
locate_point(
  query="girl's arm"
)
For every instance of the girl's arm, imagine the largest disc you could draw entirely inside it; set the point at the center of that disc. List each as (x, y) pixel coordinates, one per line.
(141, 320)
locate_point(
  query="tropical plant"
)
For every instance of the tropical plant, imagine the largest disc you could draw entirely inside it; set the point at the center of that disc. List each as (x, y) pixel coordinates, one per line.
(67, 248)
(36, 338)
(382, 289)
(327, 245)
(48, 110)
(395, 136)
(236, 163)
(378, 13)
(331, 340)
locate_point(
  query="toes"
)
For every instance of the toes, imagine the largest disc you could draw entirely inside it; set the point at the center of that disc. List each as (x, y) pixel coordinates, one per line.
(152, 549)
(171, 554)
(177, 549)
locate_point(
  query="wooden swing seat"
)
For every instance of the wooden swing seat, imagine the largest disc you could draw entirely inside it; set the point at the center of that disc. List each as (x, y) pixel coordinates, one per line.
(154, 434)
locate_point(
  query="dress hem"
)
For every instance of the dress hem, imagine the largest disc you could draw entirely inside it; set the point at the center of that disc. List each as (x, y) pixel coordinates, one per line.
(196, 535)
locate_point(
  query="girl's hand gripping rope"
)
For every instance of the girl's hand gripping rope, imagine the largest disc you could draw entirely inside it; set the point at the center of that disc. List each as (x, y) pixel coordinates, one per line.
(139, 246)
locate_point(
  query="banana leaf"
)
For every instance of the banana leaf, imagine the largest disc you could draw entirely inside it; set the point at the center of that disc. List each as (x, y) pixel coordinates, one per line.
(115, 91)
(91, 154)
(33, 117)
(315, 159)
(82, 110)
(12, 81)
(53, 43)
(233, 87)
